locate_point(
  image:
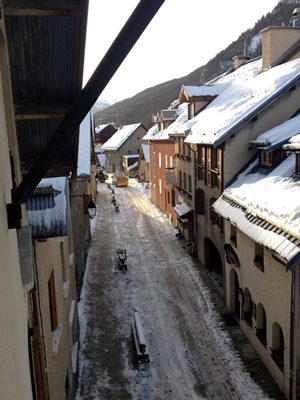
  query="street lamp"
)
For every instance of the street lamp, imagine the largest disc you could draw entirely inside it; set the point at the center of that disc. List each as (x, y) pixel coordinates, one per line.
(91, 207)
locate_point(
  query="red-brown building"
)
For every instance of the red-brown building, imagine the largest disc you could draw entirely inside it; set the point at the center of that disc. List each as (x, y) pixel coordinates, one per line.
(162, 163)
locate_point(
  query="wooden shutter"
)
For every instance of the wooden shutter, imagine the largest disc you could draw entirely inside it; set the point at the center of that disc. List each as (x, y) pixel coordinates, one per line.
(220, 170)
(210, 210)
(52, 302)
(203, 161)
(209, 166)
(199, 201)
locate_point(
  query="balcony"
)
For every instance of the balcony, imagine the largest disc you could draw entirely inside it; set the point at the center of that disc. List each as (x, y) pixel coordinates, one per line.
(184, 192)
(183, 157)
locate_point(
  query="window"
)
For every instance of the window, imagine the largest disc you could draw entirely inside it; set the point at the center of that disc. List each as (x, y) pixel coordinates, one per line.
(297, 167)
(214, 167)
(247, 308)
(180, 145)
(201, 171)
(214, 217)
(259, 257)
(261, 325)
(159, 160)
(189, 184)
(277, 350)
(233, 239)
(52, 302)
(166, 161)
(188, 150)
(169, 197)
(171, 162)
(173, 198)
(199, 201)
(63, 264)
(180, 178)
(63, 260)
(184, 180)
(191, 111)
(160, 186)
(270, 159)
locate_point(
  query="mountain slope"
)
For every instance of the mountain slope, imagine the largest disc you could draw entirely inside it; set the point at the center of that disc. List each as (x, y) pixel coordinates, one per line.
(140, 107)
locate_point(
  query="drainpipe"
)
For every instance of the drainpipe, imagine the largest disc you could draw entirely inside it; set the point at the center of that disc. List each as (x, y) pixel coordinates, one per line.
(194, 198)
(292, 318)
(45, 377)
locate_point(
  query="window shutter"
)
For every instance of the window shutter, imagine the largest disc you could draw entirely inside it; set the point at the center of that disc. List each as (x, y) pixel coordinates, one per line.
(220, 223)
(52, 302)
(203, 163)
(220, 171)
(209, 166)
(199, 201)
(210, 210)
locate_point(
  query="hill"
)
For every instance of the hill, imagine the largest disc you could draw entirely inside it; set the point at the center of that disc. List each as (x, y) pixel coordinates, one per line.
(140, 107)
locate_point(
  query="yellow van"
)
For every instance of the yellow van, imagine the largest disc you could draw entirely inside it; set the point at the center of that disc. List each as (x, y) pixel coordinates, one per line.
(119, 179)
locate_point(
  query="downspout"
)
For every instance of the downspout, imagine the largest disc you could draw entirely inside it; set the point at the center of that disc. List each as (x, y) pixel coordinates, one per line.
(41, 326)
(194, 198)
(292, 319)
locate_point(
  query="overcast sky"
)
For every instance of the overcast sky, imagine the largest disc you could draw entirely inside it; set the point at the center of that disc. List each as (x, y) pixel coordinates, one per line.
(182, 36)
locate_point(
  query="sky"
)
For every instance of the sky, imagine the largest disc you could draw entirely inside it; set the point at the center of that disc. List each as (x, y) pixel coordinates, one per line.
(182, 36)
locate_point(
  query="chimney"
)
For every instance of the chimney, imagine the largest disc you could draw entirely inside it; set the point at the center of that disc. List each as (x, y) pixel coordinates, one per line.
(239, 60)
(296, 17)
(277, 40)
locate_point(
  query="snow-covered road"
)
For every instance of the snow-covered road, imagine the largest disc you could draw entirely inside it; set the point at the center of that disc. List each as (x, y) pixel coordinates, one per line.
(192, 356)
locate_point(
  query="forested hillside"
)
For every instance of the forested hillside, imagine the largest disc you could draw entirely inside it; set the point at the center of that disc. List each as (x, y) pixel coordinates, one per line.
(140, 107)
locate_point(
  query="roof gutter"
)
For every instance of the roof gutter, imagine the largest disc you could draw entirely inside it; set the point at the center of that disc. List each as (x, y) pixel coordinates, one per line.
(126, 39)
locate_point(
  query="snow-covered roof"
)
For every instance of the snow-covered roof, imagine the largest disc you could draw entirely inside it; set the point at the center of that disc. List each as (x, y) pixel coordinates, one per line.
(151, 133)
(258, 201)
(145, 148)
(131, 156)
(168, 114)
(278, 135)
(120, 137)
(133, 166)
(47, 208)
(249, 90)
(164, 134)
(100, 128)
(182, 209)
(204, 90)
(293, 145)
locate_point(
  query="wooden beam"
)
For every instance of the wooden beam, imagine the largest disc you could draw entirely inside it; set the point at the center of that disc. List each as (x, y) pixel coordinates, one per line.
(40, 111)
(40, 8)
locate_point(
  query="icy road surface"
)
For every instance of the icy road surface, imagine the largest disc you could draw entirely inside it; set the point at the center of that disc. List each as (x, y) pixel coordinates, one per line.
(191, 354)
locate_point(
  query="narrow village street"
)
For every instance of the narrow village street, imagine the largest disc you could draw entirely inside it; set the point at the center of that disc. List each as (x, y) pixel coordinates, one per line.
(191, 351)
